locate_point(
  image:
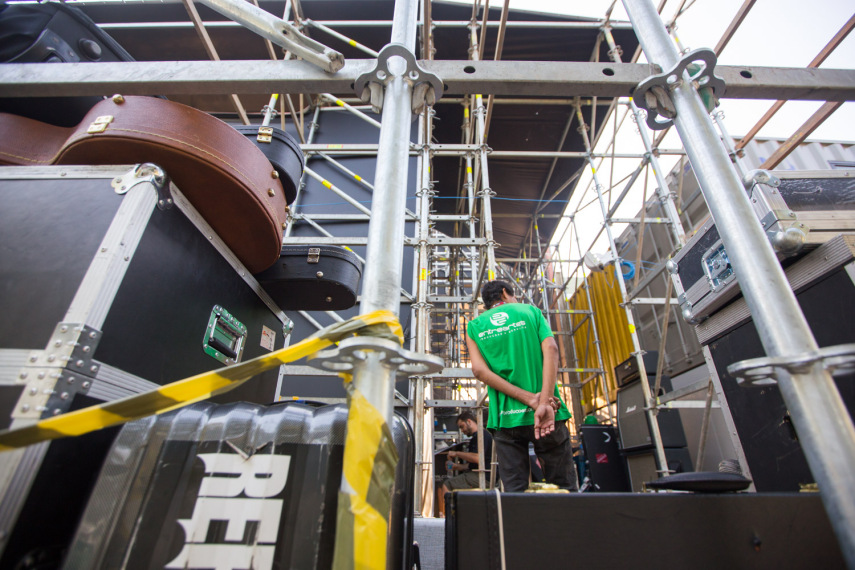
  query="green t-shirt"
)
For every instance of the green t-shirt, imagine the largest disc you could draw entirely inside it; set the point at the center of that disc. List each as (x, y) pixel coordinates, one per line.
(509, 337)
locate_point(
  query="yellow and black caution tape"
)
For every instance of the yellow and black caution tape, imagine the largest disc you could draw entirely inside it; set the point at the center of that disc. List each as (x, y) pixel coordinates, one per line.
(368, 478)
(370, 456)
(196, 388)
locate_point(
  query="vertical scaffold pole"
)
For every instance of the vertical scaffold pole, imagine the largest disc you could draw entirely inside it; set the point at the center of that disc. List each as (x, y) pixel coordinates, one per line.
(486, 193)
(473, 231)
(662, 189)
(817, 411)
(649, 397)
(424, 467)
(718, 117)
(313, 128)
(381, 282)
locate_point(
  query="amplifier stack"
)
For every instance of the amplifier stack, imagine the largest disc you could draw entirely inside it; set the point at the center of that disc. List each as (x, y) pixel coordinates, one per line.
(636, 441)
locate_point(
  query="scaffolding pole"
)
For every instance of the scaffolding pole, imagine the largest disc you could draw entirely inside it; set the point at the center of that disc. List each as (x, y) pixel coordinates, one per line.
(301, 187)
(382, 278)
(424, 467)
(662, 186)
(822, 421)
(649, 406)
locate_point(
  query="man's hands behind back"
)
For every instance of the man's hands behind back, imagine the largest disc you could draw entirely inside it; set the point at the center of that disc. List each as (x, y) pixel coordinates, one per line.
(544, 420)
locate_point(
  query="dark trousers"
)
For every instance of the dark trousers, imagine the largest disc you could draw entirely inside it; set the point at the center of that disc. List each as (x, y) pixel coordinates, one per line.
(553, 451)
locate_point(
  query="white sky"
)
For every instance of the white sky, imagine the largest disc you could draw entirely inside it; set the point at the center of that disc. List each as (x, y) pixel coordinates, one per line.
(776, 33)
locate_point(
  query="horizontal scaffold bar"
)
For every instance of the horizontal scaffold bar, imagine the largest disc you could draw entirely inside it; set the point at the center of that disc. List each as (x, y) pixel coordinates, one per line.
(366, 24)
(449, 299)
(450, 403)
(518, 78)
(453, 373)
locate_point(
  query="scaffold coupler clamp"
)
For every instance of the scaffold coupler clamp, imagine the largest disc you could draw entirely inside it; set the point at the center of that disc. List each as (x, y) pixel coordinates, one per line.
(654, 93)
(347, 355)
(427, 87)
(426, 191)
(420, 305)
(838, 359)
(758, 176)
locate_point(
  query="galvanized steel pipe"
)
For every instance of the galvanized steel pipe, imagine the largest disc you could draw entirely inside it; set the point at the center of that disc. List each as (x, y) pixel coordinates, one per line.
(381, 283)
(825, 430)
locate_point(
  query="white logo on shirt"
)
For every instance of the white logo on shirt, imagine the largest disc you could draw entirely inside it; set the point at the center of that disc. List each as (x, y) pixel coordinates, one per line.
(499, 319)
(514, 412)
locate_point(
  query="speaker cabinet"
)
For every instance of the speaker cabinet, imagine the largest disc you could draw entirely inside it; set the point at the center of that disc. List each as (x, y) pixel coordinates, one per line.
(769, 440)
(666, 531)
(632, 420)
(606, 467)
(627, 371)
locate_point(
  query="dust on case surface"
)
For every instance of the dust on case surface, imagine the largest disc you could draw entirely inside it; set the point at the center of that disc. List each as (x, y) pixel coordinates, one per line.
(46, 249)
(834, 192)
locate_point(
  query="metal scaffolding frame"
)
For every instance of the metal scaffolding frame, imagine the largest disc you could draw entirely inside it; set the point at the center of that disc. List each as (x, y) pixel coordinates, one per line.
(449, 270)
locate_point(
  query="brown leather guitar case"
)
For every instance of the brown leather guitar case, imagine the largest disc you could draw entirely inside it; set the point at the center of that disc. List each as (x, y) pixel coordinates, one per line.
(223, 174)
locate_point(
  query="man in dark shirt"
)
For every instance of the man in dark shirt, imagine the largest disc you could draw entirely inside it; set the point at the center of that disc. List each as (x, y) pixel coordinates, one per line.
(468, 425)
(468, 479)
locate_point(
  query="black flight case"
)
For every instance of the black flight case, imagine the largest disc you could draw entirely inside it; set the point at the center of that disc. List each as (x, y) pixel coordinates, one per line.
(111, 285)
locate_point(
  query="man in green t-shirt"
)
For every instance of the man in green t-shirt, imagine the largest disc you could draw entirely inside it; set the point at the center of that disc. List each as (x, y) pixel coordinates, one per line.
(513, 352)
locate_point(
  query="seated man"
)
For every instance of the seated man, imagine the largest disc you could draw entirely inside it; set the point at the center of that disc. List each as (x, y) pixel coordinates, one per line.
(468, 479)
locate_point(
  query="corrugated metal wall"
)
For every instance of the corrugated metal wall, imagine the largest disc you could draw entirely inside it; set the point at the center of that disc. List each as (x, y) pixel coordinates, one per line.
(806, 156)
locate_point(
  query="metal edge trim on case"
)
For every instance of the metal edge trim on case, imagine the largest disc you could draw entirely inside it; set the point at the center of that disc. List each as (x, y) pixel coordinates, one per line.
(18, 468)
(14, 359)
(727, 415)
(16, 477)
(197, 220)
(99, 286)
(67, 171)
(850, 270)
(112, 383)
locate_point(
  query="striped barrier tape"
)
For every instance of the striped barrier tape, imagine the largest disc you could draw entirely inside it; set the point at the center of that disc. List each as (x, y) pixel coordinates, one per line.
(195, 388)
(365, 497)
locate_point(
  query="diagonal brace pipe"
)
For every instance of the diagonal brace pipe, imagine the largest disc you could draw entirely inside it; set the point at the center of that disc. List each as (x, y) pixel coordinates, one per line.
(278, 31)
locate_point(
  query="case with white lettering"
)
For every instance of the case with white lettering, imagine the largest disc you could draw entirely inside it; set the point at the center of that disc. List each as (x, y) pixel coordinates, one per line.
(230, 486)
